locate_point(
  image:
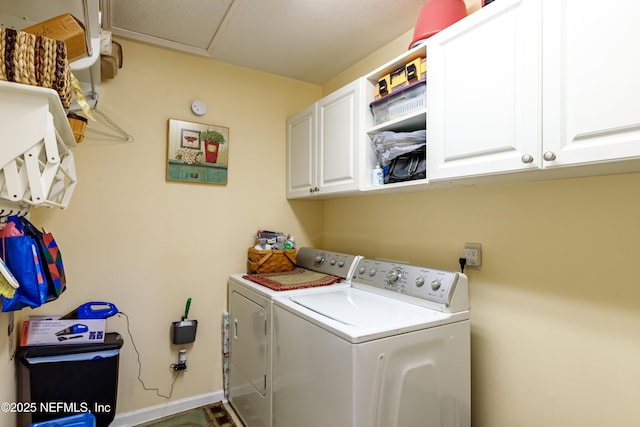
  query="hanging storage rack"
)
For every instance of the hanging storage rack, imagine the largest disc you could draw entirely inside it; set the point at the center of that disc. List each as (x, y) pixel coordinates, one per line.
(37, 167)
(36, 163)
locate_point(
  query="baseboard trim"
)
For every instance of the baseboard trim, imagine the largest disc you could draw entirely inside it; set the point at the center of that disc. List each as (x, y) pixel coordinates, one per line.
(139, 416)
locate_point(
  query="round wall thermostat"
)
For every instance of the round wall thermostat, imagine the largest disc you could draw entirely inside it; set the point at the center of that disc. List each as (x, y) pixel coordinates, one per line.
(198, 107)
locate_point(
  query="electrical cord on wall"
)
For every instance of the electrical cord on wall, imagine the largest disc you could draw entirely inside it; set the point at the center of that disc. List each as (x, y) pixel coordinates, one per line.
(12, 337)
(463, 262)
(156, 389)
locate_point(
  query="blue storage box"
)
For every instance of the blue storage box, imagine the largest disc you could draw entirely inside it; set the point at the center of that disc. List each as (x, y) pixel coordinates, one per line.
(80, 420)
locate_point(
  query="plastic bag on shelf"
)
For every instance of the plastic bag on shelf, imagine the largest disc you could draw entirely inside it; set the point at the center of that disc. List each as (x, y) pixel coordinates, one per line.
(388, 145)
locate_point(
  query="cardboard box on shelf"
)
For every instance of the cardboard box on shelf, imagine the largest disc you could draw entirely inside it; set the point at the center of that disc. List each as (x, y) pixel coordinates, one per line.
(65, 28)
(51, 330)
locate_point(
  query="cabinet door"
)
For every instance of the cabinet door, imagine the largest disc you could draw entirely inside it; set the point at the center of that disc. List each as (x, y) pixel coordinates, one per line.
(301, 169)
(591, 81)
(338, 132)
(483, 92)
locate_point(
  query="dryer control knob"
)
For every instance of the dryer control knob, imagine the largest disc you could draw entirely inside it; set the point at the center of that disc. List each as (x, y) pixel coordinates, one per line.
(435, 285)
(332, 262)
(420, 281)
(372, 272)
(394, 275)
(340, 263)
(362, 270)
(319, 259)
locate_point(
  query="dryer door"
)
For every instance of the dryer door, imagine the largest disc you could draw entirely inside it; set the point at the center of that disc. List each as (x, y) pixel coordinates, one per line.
(250, 355)
(248, 346)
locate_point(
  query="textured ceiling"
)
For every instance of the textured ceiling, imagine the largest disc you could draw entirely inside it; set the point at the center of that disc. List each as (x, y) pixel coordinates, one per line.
(309, 40)
(190, 23)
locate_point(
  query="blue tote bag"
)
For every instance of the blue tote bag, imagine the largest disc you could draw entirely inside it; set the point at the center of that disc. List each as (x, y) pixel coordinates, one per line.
(22, 256)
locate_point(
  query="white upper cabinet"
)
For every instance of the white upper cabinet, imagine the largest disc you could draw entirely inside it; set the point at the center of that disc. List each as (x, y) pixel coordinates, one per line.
(301, 158)
(517, 86)
(530, 84)
(322, 145)
(483, 92)
(591, 78)
(339, 131)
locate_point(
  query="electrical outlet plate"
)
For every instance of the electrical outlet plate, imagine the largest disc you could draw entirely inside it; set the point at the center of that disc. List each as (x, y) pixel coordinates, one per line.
(473, 254)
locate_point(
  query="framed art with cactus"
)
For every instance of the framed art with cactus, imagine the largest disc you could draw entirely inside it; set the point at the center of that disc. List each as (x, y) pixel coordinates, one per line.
(197, 152)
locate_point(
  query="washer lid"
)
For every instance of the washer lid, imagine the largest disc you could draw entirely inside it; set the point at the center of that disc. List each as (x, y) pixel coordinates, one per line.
(363, 309)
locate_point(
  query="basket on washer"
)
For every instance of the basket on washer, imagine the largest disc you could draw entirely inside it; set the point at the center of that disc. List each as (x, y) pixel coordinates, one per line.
(270, 261)
(35, 60)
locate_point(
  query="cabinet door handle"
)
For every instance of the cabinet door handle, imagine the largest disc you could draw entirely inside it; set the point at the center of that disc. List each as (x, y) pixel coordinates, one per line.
(527, 158)
(235, 328)
(549, 156)
(311, 190)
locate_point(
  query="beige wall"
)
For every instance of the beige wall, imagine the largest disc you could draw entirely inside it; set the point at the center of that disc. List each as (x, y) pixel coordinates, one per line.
(555, 309)
(145, 244)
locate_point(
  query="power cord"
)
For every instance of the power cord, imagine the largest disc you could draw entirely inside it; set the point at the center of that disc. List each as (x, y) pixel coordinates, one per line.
(12, 337)
(463, 262)
(157, 390)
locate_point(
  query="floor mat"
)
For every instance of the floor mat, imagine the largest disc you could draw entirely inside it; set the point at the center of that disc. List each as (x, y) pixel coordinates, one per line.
(214, 415)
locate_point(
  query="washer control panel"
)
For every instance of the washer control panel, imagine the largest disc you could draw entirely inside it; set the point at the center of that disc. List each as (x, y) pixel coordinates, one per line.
(429, 284)
(327, 262)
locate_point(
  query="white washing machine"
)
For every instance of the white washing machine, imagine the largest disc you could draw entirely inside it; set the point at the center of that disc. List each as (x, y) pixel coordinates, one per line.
(392, 350)
(251, 325)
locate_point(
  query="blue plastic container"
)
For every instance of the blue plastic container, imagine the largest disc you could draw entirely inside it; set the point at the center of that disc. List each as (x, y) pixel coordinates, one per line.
(80, 420)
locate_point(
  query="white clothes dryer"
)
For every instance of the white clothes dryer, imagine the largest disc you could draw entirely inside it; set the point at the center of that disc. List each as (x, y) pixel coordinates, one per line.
(393, 350)
(251, 325)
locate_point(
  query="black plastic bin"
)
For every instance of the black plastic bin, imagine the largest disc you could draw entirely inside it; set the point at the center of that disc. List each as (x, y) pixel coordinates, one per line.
(59, 380)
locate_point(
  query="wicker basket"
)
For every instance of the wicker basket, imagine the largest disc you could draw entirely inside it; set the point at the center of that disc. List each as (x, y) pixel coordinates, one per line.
(270, 261)
(35, 60)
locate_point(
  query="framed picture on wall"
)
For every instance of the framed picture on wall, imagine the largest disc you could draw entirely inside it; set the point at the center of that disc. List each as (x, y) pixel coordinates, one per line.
(197, 152)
